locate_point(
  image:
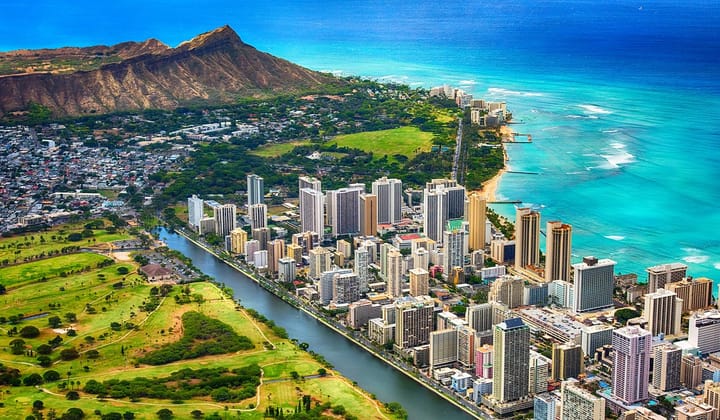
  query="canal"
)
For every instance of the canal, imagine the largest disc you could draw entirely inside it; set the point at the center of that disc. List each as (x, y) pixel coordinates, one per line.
(353, 362)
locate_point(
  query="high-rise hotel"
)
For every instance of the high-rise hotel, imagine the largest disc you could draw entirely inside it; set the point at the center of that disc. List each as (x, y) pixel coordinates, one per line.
(389, 200)
(631, 364)
(255, 189)
(594, 284)
(511, 360)
(312, 205)
(476, 217)
(527, 238)
(443, 200)
(558, 248)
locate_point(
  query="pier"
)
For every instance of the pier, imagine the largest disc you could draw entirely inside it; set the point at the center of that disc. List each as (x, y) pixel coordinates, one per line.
(527, 136)
(522, 173)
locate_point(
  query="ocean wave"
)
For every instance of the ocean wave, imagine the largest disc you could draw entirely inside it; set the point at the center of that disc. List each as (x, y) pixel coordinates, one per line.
(717, 265)
(611, 131)
(582, 117)
(697, 259)
(594, 109)
(615, 237)
(508, 92)
(617, 145)
(614, 161)
(467, 82)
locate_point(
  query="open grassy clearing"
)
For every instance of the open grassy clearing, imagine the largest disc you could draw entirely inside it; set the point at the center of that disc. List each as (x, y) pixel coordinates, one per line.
(97, 300)
(62, 266)
(42, 244)
(406, 141)
(278, 149)
(444, 116)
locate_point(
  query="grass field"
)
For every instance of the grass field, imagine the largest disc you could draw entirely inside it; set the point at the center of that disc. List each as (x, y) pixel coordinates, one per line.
(16, 249)
(278, 149)
(96, 299)
(49, 268)
(406, 141)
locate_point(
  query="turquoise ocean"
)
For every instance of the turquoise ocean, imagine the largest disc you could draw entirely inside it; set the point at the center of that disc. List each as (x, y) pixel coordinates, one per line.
(622, 98)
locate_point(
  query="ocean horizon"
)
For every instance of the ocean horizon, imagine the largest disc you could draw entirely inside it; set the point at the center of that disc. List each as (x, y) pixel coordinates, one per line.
(622, 98)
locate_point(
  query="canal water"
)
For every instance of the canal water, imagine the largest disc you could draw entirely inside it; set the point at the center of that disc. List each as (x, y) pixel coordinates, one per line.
(353, 362)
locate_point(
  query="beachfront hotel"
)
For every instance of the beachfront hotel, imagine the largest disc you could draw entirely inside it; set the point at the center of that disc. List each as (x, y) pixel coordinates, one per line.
(527, 238)
(558, 249)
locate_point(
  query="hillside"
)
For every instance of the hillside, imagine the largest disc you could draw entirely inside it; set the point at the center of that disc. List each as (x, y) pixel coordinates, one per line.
(214, 67)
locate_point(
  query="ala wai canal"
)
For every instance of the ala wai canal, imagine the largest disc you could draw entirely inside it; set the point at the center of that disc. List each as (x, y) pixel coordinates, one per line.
(370, 373)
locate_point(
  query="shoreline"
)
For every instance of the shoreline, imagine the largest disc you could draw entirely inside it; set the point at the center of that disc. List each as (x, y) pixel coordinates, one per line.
(490, 187)
(344, 333)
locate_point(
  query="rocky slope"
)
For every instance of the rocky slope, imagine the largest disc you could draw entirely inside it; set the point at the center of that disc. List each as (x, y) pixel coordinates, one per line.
(214, 67)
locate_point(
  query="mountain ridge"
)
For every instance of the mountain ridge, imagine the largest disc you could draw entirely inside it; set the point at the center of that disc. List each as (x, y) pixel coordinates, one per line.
(213, 67)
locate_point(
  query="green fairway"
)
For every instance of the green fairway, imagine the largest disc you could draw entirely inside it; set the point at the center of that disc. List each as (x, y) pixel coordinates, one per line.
(278, 149)
(18, 249)
(406, 141)
(46, 269)
(99, 297)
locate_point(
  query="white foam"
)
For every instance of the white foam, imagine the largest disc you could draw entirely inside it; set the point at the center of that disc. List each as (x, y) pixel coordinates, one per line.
(468, 82)
(717, 265)
(508, 92)
(581, 117)
(615, 237)
(594, 109)
(697, 259)
(616, 145)
(614, 161)
(613, 131)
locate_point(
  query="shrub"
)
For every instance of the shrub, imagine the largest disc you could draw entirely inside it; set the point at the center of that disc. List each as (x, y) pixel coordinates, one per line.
(44, 349)
(29, 332)
(73, 413)
(32, 379)
(74, 237)
(69, 354)
(164, 414)
(72, 396)
(51, 376)
(54, 321)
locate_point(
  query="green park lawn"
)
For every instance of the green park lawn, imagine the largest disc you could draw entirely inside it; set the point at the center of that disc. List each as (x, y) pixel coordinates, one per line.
(49, 268)
(16, 249)
(274, 150)
(406, 141)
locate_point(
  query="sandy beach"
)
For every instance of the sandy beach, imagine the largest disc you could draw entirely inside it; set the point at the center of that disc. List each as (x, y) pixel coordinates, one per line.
(489, 187)
(506, 133)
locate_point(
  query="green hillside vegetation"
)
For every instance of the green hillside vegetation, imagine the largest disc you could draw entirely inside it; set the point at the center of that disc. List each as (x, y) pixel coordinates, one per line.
(202, 336)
